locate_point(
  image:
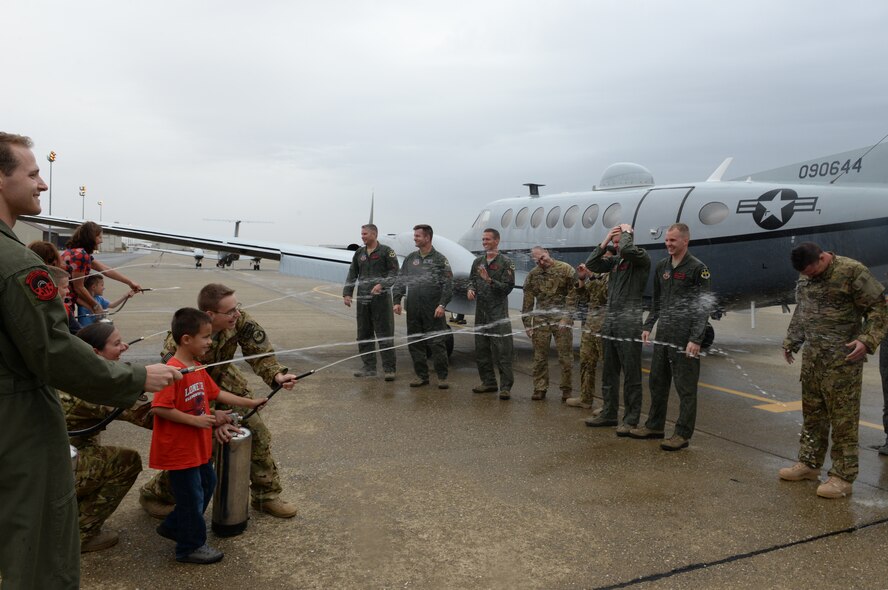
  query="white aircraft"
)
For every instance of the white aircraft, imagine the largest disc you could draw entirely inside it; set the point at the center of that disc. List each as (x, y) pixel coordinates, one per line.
(743, 228)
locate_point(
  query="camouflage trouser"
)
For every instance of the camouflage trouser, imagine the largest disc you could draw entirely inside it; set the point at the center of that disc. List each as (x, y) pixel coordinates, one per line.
(265, 483)
(831, 398)
(103, 477)
(590, 352)
(670, 365)
(542, 336)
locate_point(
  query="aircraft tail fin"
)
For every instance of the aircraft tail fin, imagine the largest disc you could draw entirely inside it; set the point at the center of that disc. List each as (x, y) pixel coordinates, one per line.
(866, 165)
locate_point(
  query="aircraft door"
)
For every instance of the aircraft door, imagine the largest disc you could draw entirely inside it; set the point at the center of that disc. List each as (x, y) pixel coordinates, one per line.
(657, 210)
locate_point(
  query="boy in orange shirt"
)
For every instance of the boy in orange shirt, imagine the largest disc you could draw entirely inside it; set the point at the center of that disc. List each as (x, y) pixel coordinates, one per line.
(182, 440)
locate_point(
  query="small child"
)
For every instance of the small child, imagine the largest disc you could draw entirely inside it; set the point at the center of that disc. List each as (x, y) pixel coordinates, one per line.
(182, 440)
(95, 286)
(63, 282)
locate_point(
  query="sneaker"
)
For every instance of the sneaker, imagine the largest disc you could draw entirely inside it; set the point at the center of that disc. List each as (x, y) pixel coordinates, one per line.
(443, 384)
(365, 373)
(834, 487)
(599, 421)
(577, 402)
(624, 429)
(675, 443)
(645, 433)
(156, 508)
(505, 394)
(419, 382)
(275, 507)
(203, 555)
(389, 375)
(538, 395)
(165, 532)
(102, 540)
(484, 389)
(798, 472)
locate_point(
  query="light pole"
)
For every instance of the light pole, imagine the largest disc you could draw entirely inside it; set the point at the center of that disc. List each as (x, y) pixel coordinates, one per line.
(82, 201)
(100, 210)
(51, 157)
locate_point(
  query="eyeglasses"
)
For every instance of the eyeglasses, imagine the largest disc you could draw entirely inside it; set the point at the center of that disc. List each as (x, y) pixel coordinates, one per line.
(233, 312)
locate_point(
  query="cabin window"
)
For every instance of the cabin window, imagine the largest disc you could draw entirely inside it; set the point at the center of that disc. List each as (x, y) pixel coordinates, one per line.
(553, 217)
(570, 216)
(590, 215)
(537, 218)
(713, 213)
(521, 218)
(482, 219)
(611, 217)
(507, 218)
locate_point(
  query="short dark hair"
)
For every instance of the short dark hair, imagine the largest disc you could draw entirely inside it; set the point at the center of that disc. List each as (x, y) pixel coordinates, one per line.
(209, 297)
(86, 236)
(188, 321)
(58, 274)
(92, 280)
(8, 161)
(424, 228)
(97, 334)
(47, 252)
(490, 230)
(372, 227)
(681, 228)
(804, 255)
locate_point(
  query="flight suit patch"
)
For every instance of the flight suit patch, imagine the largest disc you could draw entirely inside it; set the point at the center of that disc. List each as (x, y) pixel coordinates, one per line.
(259, 336)
(41, 285)
(679, 276)
(666, 276)
(374, 257)
(705, 274)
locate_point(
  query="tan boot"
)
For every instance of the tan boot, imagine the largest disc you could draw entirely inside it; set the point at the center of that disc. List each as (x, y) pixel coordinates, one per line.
(798, 472)
(675, 443)
(538, 395)
(102, 540)
(276, 507)
(645, 432)
(623, 430)
(577, 402)
(834, 487)
(156, 508)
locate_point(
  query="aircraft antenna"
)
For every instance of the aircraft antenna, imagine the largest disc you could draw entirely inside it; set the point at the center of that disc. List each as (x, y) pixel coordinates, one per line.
(844, 172)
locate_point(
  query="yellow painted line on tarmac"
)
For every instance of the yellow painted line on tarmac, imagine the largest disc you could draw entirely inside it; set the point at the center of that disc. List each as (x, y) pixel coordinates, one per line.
(320, 289)
(781, 407)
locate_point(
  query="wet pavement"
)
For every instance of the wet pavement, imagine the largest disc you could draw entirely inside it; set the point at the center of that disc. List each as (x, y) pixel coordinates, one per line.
(424, 488)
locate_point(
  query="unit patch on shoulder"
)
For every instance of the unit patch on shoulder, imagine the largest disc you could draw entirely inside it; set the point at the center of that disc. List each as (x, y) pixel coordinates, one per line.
(705, 274)
(258, 336)
(41, 285)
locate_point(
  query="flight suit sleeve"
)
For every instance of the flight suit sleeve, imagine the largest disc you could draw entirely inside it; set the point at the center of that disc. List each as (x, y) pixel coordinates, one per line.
(349, 289)
(527, 304)
(598, 263)
(795, 333)
(703, 300)
(253, 340)
(654, 314)
(629, 251)
(474, 277)
(869, 295)
(503, 285)
(445, 279)
(391, 269)
(38, 330)
(399, 288)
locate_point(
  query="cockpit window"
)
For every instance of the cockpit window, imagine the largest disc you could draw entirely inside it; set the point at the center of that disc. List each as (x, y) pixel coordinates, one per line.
(507, 218)
(521, 218)
(570, 216)
(590, 215)
(552, 217)
(482, 220)
(537, 218)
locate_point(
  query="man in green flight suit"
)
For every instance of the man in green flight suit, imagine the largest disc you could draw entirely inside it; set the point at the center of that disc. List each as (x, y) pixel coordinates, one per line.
(373, 270)
(233, 328)
(840, 317)
(621, 334)
(492, 278)
(40, 541)
(547, 312)
(427, 280)
(680, 310)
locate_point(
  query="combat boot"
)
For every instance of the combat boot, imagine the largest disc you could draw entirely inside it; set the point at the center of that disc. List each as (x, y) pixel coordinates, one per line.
(156, 508)
(798, 472)
(624, 429)
(505, 394)
(577, 402)
(365, 373)
(443, 384)
(202, 555)
(389, 375)
(484, 389)
(599, 421)
(675, 443)
(565, 395)
(275, 507)
(419, 382)
(645, 433)
(102, 540)
(834, 487)
(538, 395)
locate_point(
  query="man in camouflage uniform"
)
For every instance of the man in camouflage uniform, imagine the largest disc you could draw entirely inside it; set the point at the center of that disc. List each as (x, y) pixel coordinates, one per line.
(427, 280)
(233, 328)
(373, 270)
(592, 293)
(840, 317)
(621, 333)
(547, 312)
(104, 474)
(492, 278)
(680, 310)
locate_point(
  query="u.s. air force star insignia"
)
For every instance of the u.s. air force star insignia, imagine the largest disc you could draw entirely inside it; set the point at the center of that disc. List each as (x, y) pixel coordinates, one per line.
(41, 285)
(705, 274)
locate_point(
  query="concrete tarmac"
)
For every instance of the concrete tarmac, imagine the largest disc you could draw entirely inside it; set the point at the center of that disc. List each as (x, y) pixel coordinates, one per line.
(424, 488)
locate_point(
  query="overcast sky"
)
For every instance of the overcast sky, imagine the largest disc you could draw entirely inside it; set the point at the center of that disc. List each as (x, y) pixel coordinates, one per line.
(294, 112)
